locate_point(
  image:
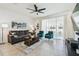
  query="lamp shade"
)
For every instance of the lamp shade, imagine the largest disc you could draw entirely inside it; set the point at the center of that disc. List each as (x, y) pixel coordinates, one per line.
(4, 25)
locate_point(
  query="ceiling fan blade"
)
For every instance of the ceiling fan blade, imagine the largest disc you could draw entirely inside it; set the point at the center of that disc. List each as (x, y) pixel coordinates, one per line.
(30, 9)
(42, 9)
(32, 12)
(41, 12)
(36, 8)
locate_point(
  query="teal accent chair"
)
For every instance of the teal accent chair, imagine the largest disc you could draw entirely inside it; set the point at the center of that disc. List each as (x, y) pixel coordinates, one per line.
(49, 35)
(40, 34)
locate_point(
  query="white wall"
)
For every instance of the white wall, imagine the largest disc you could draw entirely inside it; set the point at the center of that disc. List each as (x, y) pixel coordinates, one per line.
(68, 27)
(7, 16)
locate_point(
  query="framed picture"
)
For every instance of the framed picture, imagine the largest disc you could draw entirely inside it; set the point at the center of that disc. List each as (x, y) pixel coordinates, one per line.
(18, 25)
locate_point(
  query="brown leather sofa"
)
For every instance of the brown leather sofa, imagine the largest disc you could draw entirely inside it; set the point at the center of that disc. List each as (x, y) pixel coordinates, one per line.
(17, 36)
(31, 39)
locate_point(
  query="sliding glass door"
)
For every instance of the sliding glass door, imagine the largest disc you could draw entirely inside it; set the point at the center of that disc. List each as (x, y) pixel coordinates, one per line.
(56, 25)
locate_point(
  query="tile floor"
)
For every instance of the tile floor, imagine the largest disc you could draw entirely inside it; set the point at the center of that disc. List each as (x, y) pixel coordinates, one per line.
(41, 48)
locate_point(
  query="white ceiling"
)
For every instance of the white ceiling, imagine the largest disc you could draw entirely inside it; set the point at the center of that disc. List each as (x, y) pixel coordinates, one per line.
(51, 8)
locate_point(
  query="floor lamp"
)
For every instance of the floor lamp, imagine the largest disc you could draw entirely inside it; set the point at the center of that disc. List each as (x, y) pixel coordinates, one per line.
(3, 27)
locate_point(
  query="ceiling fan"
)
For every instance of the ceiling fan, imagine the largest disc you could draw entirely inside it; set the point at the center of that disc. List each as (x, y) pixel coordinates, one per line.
(36, 9)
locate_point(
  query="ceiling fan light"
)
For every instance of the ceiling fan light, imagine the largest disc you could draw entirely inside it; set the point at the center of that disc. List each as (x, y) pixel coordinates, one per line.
(37, 13)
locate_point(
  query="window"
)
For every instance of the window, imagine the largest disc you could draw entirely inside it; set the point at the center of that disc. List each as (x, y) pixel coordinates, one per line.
(56, 25)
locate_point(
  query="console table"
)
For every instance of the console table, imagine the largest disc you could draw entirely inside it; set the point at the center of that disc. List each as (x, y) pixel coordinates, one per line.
(74, 46)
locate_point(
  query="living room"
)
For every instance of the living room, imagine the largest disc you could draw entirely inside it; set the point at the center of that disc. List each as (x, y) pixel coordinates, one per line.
(28, 28)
